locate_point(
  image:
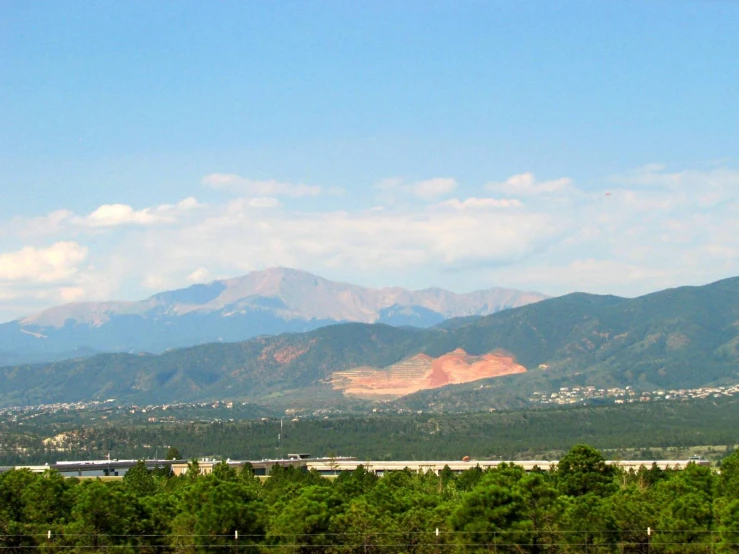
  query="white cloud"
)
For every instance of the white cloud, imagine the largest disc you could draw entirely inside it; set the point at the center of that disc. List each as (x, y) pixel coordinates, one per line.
(172, 211)
(200, 275)
(389, 183)
(593, 275)
(650, 175)
(658, 229)
(50, 224)
(113, 215)
(653, 187)
(188, 203)
(157, 282)
(37, 277)
(19, 301)
(525, 184)
(235, 239)
(433, 188)
(264, 202)
(241, 185)
(480, 203)
(70, 294)
(55, 263)
(428, 189)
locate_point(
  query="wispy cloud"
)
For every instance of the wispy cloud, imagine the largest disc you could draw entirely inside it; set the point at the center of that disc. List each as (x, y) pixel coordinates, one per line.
(112, 215)
(525, 184)
(656, 228)
(481, 203)
(64, 221)
(236, 183)
(264, 202)
(427, 189)
(433, 188)
(389, 183)
(200, 275)
(706, 188)
(650, 175)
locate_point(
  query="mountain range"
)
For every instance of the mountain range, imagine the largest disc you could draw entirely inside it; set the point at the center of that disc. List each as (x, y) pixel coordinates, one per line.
(678, 338)
(268, 302)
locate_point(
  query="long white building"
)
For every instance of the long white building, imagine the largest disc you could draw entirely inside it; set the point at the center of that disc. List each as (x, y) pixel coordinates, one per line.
(333, 467)
(325, 466)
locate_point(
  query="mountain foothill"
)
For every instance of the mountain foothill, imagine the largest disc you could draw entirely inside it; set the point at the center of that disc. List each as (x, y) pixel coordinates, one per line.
(314, 343)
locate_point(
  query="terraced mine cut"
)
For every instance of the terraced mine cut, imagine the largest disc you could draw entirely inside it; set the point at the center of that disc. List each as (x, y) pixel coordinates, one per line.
(422, 372)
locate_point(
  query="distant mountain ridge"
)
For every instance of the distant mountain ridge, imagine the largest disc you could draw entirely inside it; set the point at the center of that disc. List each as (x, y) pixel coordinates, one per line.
(686, 337)
(268, 302)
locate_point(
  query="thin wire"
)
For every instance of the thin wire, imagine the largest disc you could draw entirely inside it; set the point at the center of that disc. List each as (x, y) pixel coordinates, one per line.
(357, 545)
(372, 533)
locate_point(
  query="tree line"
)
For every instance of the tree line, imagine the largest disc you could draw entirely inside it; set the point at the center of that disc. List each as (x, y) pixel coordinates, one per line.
(583, 505)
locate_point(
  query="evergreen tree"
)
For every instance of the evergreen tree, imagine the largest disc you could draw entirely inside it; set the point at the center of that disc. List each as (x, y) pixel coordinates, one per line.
(489, 515)
(305, 520)
(728, 481)
(173, 454)
(139, 481)
(583, 470)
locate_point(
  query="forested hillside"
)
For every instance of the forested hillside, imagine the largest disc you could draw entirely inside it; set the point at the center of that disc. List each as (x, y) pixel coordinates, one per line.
(639, 430)
(678, 338)
(582, 506)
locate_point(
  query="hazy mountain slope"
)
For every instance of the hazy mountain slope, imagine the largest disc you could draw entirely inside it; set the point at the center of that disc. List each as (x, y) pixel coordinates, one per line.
(682, 337)
(678, 338)
(253, 368)
(261, 303)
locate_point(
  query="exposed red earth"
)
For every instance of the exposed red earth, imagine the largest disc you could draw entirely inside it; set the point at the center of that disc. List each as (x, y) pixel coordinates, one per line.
(285, 355)
(422, 372)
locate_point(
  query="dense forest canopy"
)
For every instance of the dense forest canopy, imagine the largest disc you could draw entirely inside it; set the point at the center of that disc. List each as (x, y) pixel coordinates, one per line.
(583, 505)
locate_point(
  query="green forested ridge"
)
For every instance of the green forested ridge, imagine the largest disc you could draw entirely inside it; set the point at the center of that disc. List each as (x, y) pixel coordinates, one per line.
(583, 505)
(630, 431)
(253, 368)
(685, 337)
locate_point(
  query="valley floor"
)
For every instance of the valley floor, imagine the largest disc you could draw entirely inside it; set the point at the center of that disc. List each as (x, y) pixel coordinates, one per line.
(631, 431)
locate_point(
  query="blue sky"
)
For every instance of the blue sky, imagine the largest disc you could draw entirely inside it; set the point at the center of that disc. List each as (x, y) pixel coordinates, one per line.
(149, 145)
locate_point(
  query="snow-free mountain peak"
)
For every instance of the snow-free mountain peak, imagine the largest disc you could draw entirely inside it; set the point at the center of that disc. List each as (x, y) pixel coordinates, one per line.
(270, 301)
